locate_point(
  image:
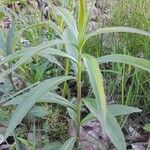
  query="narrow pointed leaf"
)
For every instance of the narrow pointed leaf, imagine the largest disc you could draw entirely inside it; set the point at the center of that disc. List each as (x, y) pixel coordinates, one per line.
(119, 110)
(51, 59)
(82, 16)
(110, 125)
(26, 55)
(10, 45)
(115, 109)
(69, 20)
(71, 49)
(53, 51)
(35, 94)
(116, 29)
(119, 58)
(69, 144)
(96, 81)
(2, 40)
(49, 97)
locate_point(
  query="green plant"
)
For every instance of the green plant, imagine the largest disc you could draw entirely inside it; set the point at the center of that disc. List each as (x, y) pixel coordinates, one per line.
(135, 14)
(74, 37)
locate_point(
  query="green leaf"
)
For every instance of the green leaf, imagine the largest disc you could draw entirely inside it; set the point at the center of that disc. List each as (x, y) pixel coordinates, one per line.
(114, 132)
(34, 95)
(2, 41)
(26, 54)
(69, 144)
(54, 98)
(73, 115)
(48, 97)
(137, 62)
(10, 45)
(118, 110)
(110, 125)
(96, 81)
(82, 16)
(25, 142)
(115, 110)
(116, 29)
(71, 49)
(52, 146)
(88, 118)
(38, 111)
(53, 51)
(147, 127)
(49, 23)
(69, 20)
(17, 142)
(51, 58)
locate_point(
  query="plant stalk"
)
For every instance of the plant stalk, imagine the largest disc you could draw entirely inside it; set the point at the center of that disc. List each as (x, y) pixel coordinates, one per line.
(79, 99)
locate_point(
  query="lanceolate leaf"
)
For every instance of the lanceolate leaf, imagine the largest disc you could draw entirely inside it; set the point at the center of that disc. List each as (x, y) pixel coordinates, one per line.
(70, 48)
(26, 54)
(54, 98)
(35, 94)
(69, 20)
(96, 81)
(2, 41)
(115, 109)
(69, 144)
(118, 110)
(48, 97)
(51, 58)
(110, 125)
(82, 16)
(137, 62)
(116, 29)
(114, 132)
(53, 51)
(10, 45)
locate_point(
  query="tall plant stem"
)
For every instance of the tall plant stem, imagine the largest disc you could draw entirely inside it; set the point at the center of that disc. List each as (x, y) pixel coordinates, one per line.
(79, 99)
(66, 73)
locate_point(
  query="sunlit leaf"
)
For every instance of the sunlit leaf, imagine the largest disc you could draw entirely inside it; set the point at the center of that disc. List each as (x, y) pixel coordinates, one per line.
(115, 109)
(26, 54)
(96, 81)
(69, 144)
(82, 16)
(70, 48)
(116, 29)
(35, 94)
(119, 58)
(69, 20)
(110, 125)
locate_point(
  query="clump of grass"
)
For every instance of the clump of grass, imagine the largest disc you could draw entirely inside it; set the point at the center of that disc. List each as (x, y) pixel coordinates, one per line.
(136, 14)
